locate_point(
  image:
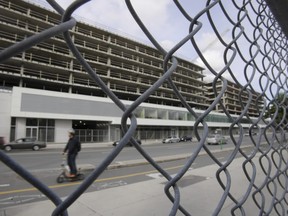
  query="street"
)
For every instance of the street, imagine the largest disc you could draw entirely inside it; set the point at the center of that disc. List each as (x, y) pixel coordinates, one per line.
(45, 165)
(52, 158)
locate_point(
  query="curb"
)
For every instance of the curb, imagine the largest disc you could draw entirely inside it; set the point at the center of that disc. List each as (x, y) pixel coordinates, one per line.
(131, 163)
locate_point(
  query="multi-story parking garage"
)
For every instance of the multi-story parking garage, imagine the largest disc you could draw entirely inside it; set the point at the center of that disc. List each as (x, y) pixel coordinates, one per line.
(230, 99)
(46, 91)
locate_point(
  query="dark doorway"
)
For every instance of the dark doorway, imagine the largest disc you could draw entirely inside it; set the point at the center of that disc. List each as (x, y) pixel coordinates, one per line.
(82, 124)
(91, 131)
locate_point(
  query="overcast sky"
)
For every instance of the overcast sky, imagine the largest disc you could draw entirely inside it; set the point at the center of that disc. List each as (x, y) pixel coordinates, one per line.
(165, 22)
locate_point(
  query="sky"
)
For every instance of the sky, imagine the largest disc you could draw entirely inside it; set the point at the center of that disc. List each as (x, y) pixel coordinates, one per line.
(168, 26)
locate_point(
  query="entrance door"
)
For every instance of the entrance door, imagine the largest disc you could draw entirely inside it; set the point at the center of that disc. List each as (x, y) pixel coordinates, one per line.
(173, 132)
(32, 132)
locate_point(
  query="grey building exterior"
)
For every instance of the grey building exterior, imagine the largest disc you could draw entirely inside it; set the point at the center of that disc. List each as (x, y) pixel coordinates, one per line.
(232, 97)
(47, 91)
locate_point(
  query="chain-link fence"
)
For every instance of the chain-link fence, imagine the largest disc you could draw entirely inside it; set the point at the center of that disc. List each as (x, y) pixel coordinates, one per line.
(254, 57)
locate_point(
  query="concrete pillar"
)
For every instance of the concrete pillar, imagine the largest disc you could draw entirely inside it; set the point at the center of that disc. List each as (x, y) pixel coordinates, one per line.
(20, 128)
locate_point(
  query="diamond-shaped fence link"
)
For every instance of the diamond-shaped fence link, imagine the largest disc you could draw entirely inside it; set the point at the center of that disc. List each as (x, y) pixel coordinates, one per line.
(256, 52)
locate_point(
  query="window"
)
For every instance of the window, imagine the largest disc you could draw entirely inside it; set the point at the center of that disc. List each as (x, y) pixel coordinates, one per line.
(31, 122)
(43, 129)
(13, 129)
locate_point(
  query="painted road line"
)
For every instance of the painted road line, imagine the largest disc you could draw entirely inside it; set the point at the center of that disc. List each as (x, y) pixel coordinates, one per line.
(105, 185)
(19, 199)
(79, 182)
(159, 175)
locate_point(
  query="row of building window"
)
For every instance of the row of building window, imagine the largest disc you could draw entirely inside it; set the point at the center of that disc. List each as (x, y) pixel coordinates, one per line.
(98, 35)
(71, 75)
(42, 129)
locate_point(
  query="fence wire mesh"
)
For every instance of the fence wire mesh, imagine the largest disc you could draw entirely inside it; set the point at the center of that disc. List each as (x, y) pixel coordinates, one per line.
(256, 51)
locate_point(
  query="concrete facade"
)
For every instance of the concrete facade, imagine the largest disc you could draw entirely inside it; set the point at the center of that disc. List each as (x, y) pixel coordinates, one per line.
(26, 104)
(232, 97)
(5, 101)
(51, 92)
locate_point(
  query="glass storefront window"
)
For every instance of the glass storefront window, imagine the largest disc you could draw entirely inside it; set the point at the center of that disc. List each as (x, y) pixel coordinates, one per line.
(50, 134)
(31, 122)
(13, 129)
(12, 133)
(13, 121)
(42, 133)
(88, 135)
(42, 122)
(31, 132)
(42, 129)
(51, 123)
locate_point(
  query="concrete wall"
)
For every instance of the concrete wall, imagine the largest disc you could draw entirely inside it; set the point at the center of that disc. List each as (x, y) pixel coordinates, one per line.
(25, 103)
(61, 128)
(5, 113)
(20, 128)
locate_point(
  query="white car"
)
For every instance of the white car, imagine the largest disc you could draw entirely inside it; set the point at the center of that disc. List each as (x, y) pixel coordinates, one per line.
(171, 139)
(216, 139)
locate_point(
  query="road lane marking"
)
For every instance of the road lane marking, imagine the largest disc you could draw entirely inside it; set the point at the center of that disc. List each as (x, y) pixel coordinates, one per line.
(79, 182)
(19, 199)
(155, 175)
(159, 175)
(105, 185)
(4, 185)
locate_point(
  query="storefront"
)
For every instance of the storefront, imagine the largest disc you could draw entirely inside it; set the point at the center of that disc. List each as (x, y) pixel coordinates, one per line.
(48, 115)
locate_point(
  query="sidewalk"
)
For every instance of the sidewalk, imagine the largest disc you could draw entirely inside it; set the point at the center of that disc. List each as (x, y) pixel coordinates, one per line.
(200, 194)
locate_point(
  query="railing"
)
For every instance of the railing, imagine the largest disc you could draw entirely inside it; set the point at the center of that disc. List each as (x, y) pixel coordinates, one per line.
(256, 51)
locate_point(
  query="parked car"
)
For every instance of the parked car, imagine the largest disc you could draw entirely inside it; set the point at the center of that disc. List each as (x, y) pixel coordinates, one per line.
(171, 139)
(186, 138)
(216, 139)
(128, 144)
(24, 143)
(252, 133)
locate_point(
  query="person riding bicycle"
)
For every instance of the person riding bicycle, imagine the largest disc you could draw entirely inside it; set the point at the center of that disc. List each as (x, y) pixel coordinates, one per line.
(73, 146)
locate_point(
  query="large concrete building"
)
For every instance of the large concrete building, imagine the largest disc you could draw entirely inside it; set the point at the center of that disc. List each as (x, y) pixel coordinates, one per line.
(45, 90)
(235, 99)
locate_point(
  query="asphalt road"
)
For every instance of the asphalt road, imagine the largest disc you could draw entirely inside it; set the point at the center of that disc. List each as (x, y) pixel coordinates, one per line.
(52, 158)
(45, 165)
